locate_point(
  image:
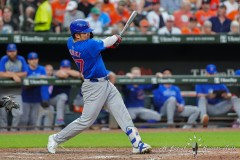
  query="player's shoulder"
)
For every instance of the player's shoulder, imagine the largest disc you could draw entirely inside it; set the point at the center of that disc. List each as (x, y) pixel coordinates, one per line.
(4, 58)
(70, 40)
(41, 67)
(175, 87)
(21, 58)
(94, 40)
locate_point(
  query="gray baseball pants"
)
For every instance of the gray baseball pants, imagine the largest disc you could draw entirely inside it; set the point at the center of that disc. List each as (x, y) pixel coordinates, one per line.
(30, 114)
(169, 109)
(59, 101)
(144, 113)
(16, 113)
(45, 117)
(221, 108)
(95, 96)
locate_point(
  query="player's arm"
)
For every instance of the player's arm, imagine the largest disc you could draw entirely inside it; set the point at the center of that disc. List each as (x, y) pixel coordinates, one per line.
(200, 92)
(73, 73)
(112, 77)
(112, 41)
(21, 74)
(11, 75)
(180, 100)
(6, 74)
(24, 69)
(61, 74)
(227, 94)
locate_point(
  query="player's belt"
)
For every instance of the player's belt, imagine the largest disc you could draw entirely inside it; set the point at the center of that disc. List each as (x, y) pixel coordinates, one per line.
(97, 79)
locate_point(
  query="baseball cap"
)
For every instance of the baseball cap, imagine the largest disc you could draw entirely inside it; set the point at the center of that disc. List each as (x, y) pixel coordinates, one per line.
(122, 3)
(237, 72)
(211, 69)
(11, 47)
(71, 5)
(206, 1)
(234, 23)
(32, 55)
(144, 23)
(207, 23)
(223, 6)
(95, 10)
(156, 1)
(65, 63)
(170, 18)
(193, 19)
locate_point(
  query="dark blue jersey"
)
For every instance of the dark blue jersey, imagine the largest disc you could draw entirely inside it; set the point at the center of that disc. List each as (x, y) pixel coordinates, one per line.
(60, 89)
(210, 88)
(32, 94)
(135, 95)
(87, 57)
(162, 94)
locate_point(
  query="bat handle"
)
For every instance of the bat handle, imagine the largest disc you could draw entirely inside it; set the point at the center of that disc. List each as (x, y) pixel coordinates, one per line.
(120, 34)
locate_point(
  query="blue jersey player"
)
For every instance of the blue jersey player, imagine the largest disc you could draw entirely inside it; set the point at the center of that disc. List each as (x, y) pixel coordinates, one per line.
(31, 96)
(97, 90)
(215, 99)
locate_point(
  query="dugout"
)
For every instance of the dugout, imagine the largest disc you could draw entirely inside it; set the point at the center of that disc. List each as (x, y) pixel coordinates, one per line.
(185, 55)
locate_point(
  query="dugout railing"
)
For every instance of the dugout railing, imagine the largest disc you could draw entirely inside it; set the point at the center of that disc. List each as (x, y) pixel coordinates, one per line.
(185, 82)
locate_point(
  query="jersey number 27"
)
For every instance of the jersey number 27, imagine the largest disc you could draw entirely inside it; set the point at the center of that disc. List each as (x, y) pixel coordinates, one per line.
(80, 64)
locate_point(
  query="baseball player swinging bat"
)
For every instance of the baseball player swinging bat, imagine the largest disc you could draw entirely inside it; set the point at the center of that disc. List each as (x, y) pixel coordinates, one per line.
(131, 18)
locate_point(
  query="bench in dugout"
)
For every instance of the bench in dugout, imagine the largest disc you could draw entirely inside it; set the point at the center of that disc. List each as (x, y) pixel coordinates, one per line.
(190, 99)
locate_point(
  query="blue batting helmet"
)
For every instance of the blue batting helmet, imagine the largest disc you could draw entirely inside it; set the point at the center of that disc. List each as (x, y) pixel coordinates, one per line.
(80, 26)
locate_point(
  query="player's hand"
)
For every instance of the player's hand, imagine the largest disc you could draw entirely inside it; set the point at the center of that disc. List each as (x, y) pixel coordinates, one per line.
(159, 74)
(211, 96)
(16, 78)
(226, 95)
(180, 108)
(129, 75)
(119, 40)
(45, 104)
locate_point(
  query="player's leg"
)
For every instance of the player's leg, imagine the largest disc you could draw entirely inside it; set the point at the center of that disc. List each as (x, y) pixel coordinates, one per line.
(148, 114)
(34, 111)
(25, 116)
(49, 117)
(192, 112)
(220, 108)
(3, 119)
(170, 109)
(40, 117)
(17, 113)
(236, 104)
(118, 109)
(203, 105)
(133, 112)
(59, 101)
(94, 96)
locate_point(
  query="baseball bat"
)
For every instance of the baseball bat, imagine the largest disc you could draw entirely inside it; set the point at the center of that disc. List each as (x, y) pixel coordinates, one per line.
(129, 21)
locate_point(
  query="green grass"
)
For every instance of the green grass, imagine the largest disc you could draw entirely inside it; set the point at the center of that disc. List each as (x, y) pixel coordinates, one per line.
(119, 139)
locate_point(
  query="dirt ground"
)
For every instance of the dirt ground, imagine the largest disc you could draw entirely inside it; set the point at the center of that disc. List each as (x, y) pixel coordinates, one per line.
(122, 153)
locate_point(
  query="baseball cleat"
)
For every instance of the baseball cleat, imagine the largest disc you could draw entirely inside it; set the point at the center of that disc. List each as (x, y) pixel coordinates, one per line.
(205, 120)
(143, 148)
(52, 144)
